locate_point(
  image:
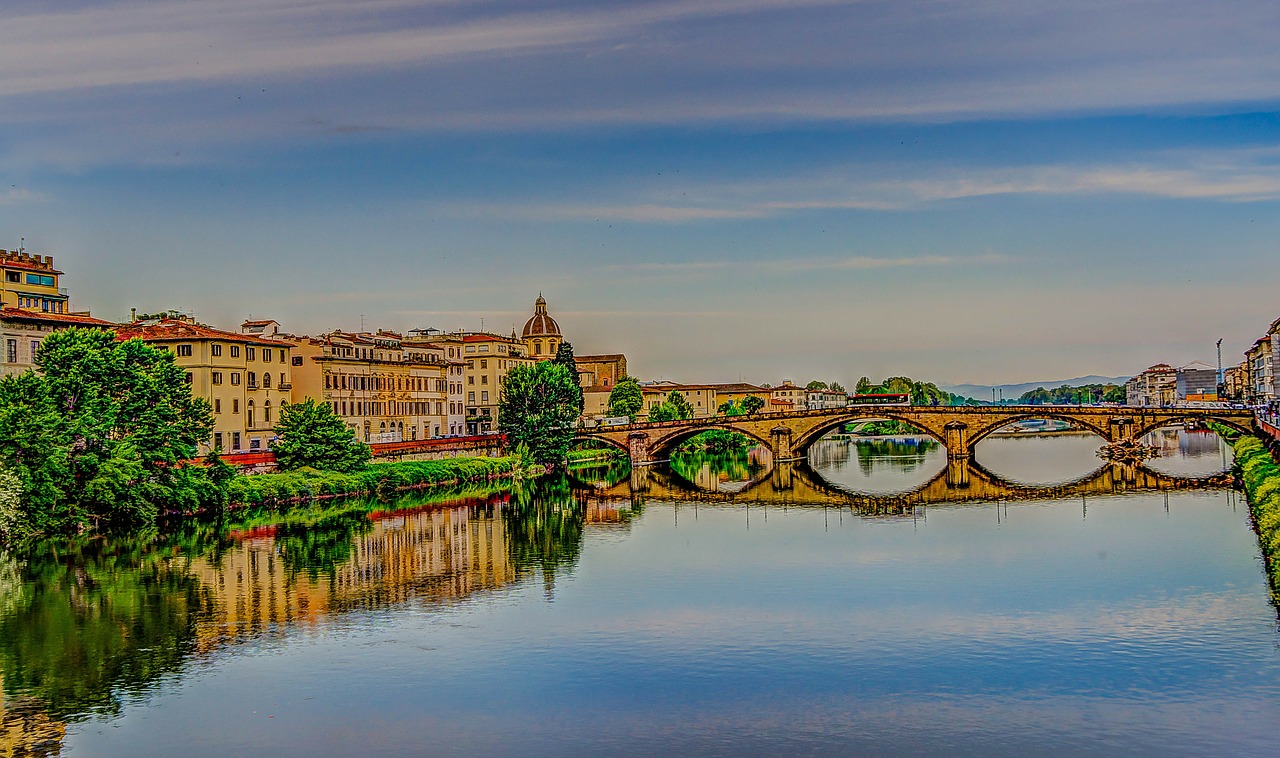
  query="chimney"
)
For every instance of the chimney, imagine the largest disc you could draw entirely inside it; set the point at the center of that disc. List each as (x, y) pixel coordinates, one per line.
(133, 315)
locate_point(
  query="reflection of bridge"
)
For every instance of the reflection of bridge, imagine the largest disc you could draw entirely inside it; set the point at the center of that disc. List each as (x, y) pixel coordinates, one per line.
(796, 484)
(789, 435)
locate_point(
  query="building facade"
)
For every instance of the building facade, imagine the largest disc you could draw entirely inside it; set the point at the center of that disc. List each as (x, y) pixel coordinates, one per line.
(541, 333)
(246, 379)
(31, 282)
(1157, 386)
(597, 375)
(1196, 382)
(386, 389)
(22, 331)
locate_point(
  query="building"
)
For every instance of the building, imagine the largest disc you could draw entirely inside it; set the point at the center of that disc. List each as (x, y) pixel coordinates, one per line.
(1262, 370)
(597, 375)
(22, 331)
(482, 360)
(1235, 381)
(701, 397)
(736, 392)
(821, 400)
(1196, 383)
(31, 282)
(1156, 386)
(386, 388)
(541, 334)
(780, 396)
(246, 379)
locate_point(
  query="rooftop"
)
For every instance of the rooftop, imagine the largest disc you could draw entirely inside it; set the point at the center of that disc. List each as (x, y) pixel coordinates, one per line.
(70, 319)
(170, 330)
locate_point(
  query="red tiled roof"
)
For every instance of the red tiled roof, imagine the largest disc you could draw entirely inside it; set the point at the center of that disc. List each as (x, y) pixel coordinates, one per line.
(484, 338)
(28, 266)
(61, 318)
(169, 330)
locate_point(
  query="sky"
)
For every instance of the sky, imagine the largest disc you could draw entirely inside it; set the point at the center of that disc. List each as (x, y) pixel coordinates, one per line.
(957, 190)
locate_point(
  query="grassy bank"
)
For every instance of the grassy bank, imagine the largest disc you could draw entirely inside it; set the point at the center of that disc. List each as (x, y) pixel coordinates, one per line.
(378, 479)
(1261, 477)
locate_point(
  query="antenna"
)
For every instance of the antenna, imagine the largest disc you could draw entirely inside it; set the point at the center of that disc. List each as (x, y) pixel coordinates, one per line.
(1219, 366)
(22, 244)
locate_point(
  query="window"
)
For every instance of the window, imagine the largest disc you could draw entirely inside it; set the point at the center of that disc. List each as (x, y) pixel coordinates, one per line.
(249, 354)
(484, 348)
(266, 354)
(215, 350)
(266, 412)
(11, 351)
(235, 351)
(484, 379)
(217, 407)
(12, 276)
(266, 380)
(471, 348)
(252, 380)
(235, 440)
(484, 363)
(43, 281)
(248, 414)
(215, 377)
(471, 397)
(235, 405)
(471, 379)
(184, 351)
(484, 397)
(235, 378)
(297, 360)
(326, 382)
(188, 378)
(217, 440)
(35, 347)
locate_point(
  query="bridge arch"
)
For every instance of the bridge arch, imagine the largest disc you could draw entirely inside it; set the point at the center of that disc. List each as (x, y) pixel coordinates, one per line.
(661, 447)
(1076, 420)
(1173, 417)
(580, 438)
(802, 443)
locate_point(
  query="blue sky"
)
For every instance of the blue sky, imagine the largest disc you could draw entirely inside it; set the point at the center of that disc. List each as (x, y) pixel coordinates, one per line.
(965, 191)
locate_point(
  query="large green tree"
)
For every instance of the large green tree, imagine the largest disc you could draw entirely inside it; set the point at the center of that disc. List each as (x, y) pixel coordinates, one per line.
(626, 398)
(564, 357)
(538, 410)
(674, 408)
(311, 434)
(97, 438)
(752, 404)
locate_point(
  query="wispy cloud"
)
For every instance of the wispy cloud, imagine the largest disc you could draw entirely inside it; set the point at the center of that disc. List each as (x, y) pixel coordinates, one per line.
(16, 195)
(809, 265)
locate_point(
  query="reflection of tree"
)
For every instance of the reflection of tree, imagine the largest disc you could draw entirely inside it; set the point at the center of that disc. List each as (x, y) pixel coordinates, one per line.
(608, 472)
(544, 531)
(901, 456)
(95, 620)
(321, 547)
(733, 466)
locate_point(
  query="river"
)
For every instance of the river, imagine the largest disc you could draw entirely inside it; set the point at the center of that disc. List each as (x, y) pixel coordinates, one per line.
(871, 600)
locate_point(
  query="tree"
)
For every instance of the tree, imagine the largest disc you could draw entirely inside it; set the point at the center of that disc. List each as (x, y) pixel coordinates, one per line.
(311, 434)
(538, 409)
(564, 357)
(816, 385)
(836, 387)
(626, 398)
(674, 408)
(752, 404)
(730, 408)
(98, 438)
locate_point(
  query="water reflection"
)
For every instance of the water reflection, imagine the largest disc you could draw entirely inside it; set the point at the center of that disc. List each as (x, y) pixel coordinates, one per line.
(728, 471)
(1186, 452)
(88, 624)
(883, 465)
(1041, 459)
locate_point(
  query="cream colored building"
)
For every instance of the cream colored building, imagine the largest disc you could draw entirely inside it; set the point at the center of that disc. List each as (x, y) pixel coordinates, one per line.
(787, 397)
(246, 379)
(385, 388)
(597, 375)
(22, 331)
(479, 362)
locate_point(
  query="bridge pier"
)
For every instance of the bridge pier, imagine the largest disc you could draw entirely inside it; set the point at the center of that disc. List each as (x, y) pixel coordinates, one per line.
(957, 440)
(638, 447)
(1120, 429)
(780, 444)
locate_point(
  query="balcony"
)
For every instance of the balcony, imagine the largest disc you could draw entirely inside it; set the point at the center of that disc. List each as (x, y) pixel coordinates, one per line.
(284, 386)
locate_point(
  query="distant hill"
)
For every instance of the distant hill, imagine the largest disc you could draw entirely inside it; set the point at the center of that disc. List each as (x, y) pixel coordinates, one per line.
(983, 391)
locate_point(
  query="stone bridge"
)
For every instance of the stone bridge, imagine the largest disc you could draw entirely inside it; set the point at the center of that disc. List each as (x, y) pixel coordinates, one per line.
(960, 428)
(796, 484)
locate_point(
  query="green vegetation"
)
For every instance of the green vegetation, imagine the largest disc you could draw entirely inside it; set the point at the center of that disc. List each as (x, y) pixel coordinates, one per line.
(626, 398)
(1068, 395)
(564, 357)
(880, 427)
(1261, 478)
(922, 393)
(380, 479)
(674, 408)
(716, 441)
(728, 465)
(752, 404)
(538, 410)
(819, 385)
(95, 440)
(312, 435)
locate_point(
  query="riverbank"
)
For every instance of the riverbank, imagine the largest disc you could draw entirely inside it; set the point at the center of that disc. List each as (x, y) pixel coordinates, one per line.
(377, 479)
(1261, 477)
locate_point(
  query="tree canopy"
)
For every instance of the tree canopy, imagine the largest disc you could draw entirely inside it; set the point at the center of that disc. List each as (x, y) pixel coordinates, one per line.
(538, 410)
(96, 439)
(564, 357)
(1068, 395)
(311, 434)
(752, 404)
(674, 408)
(626, 398)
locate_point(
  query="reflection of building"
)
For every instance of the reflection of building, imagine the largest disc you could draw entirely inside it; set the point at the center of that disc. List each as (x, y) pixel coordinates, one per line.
(430, 555)
(26, 730)
(245, 378)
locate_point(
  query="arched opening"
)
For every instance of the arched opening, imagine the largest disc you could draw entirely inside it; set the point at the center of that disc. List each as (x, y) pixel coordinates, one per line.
(597, 463)
(249, 413)
(1192, 447)
(714, 459)
(1040, 450)
(874, 453)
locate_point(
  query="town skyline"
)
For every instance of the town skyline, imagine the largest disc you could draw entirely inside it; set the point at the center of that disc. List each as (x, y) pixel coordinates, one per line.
(977, 193)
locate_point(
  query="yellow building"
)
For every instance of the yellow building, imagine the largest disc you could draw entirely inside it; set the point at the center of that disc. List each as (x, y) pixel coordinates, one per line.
(702, 397)
(541, 334)
(30, 282)
(246, 379)
(385, 388)
(479, 363)
(597, 375)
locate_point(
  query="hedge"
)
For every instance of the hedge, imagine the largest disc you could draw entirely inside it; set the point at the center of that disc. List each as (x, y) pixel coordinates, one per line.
(1261, 476)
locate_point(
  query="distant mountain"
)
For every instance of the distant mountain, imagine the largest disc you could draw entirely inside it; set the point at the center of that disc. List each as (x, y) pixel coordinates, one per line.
(1011, 391)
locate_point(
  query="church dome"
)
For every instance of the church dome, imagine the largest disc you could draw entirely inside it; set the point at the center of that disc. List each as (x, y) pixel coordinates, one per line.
(541, 325)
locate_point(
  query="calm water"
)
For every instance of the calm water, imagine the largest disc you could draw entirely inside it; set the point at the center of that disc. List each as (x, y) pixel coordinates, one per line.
(693, 618)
